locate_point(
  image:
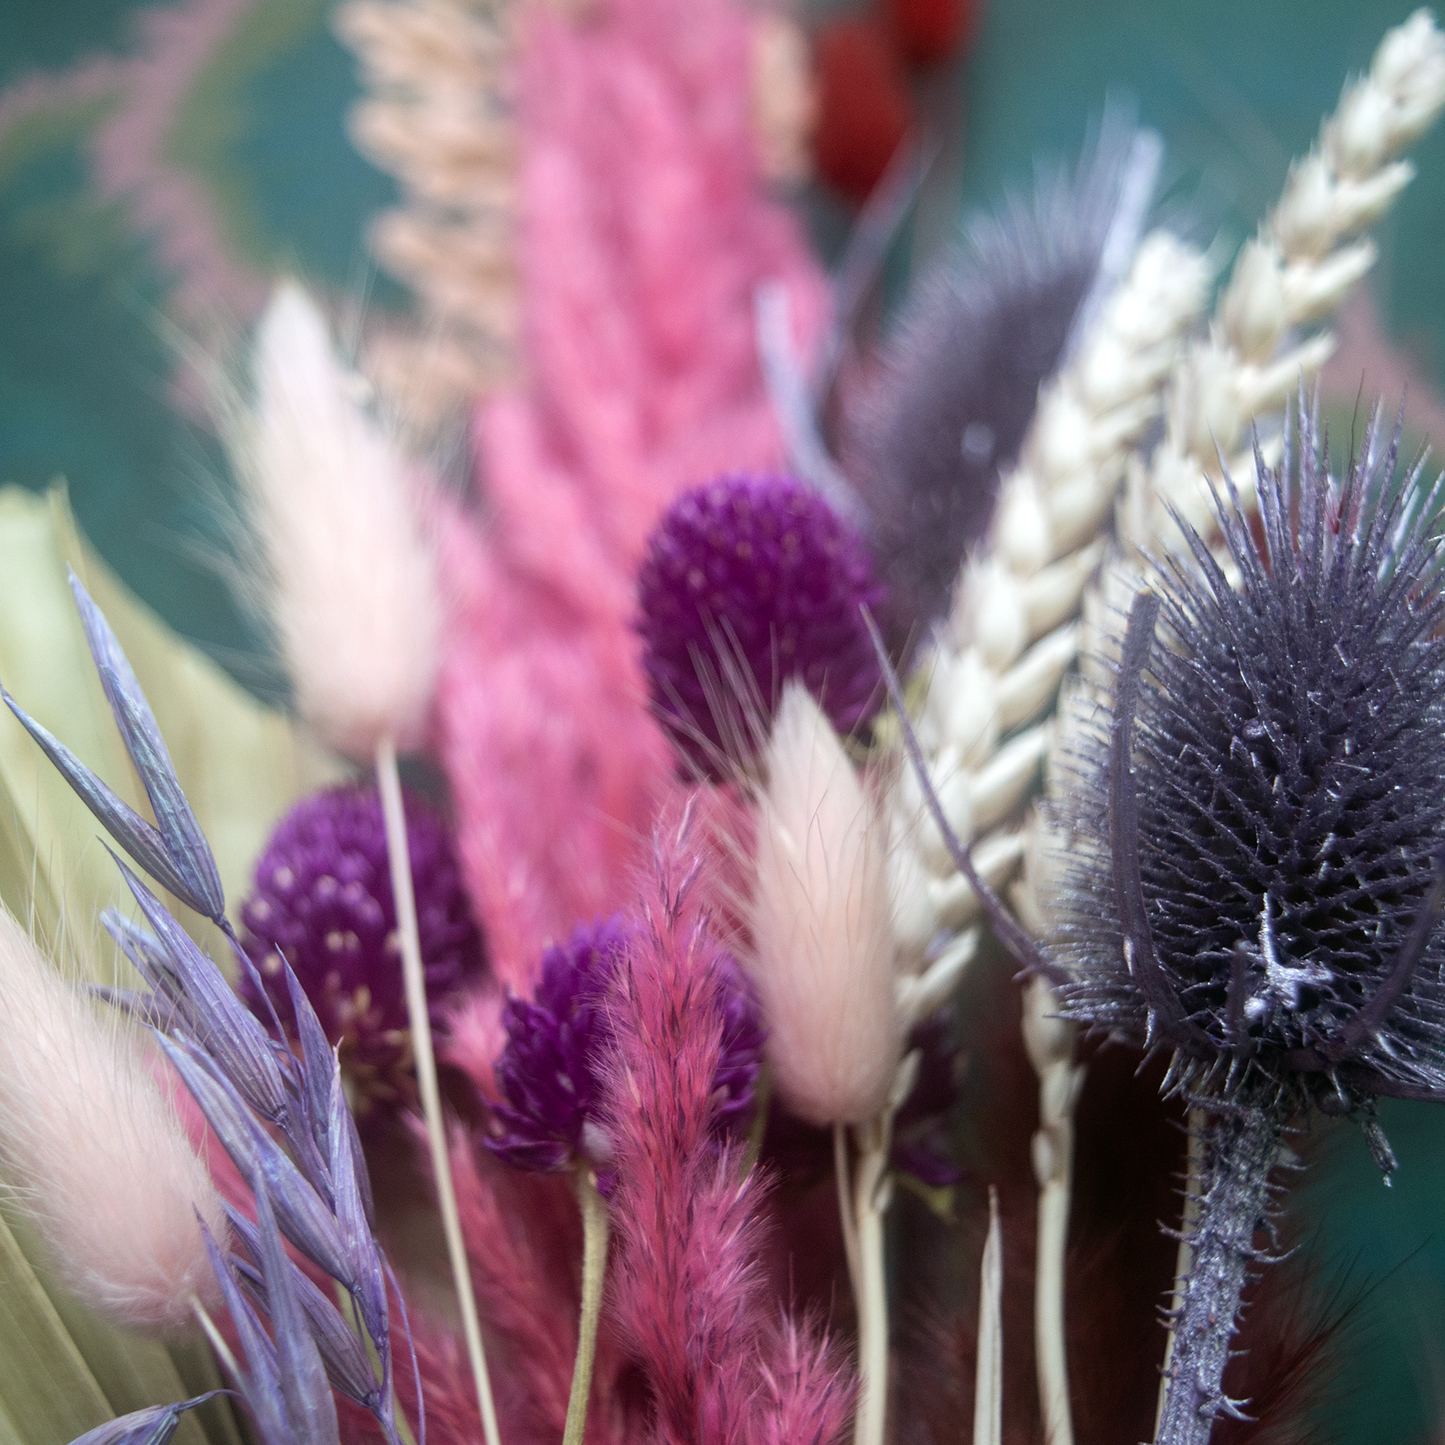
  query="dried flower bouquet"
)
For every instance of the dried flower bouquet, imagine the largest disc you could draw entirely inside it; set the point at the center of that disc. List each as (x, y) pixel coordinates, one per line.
(703, 924)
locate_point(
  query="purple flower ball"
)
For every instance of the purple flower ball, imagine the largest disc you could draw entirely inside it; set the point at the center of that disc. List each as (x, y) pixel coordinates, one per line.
(748, 582)
(552, 1069)
(322, 896)
(741, 1058)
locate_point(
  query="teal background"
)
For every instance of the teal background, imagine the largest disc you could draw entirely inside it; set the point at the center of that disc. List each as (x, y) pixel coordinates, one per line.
(91, 294)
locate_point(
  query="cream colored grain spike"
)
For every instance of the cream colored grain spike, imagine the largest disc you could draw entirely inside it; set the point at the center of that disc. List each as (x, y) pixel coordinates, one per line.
(437, 117)
(992, 672)
(1295, 272)
(1014, 630)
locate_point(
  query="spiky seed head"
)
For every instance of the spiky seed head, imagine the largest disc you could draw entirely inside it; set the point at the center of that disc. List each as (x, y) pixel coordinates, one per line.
(959, 378)
(1288, 762)
(747, 582)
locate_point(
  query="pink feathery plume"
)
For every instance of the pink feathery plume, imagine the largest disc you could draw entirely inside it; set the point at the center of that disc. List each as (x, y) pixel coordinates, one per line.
(689, 1295)
(644, 236)
(806, 1399)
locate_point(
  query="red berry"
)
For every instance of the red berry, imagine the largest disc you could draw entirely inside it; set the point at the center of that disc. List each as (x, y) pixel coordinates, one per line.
(863, 105)
(928, 32)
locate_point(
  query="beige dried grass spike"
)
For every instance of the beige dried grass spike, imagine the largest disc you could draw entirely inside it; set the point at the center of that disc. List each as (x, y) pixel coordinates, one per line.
(438, 118)
(95, 1155)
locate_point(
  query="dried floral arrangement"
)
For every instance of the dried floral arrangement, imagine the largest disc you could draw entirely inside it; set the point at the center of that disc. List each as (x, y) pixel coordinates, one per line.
(1033, 696)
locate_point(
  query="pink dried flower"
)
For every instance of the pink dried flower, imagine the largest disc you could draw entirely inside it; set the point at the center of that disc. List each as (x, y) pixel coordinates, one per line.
(821, 923)
(688, 1290)
(646, 235)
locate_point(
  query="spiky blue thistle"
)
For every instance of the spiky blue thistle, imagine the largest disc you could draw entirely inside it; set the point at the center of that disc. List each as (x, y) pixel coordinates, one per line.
(1269, 800)
(1255, 874)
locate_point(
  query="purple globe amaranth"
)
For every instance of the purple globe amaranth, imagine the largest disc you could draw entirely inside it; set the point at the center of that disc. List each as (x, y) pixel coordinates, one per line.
(741, 1056)
(552, 1069)
(322, 896)
(748, 582)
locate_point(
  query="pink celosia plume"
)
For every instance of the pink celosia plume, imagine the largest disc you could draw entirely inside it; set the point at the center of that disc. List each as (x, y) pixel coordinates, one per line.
(644, 236)
(688, 1291)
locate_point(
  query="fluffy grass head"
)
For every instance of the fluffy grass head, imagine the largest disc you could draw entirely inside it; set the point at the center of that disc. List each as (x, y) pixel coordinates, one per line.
(96, 1156)
(346, 574)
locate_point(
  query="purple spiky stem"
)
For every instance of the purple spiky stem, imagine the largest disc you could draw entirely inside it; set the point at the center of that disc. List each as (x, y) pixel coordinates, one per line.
(1242, 1147)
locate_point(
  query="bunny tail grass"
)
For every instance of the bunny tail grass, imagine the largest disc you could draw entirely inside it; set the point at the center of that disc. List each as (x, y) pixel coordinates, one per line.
(389, 782)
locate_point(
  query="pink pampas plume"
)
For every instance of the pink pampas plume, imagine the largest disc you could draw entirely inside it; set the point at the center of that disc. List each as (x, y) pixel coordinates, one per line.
(98, 1158)
(807, 1399)
(688, 1292)
(645, 234)
(822, 925)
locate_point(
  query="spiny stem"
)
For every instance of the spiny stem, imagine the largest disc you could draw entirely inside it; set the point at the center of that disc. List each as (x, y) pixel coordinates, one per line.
(1193, 1171)
(389, 782)
(1241, 1147)
(595, 1232)
(870, 1201)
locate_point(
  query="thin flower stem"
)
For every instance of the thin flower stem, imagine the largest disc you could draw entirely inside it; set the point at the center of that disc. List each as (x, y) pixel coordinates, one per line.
(218, 1344)
(595, 1232)
(1050, 1044)
(389, 782)
(1053, 1367)
(870, 1201)
(988, 1370)
(845, 1203)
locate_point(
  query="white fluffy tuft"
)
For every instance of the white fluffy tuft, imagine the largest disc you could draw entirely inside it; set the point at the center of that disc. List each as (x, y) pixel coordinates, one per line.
(94, 1155)
(351, 585)
(821, 925)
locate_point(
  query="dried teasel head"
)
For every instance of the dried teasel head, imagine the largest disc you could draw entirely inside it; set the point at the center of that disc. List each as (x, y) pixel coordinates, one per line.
(1265, 808)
